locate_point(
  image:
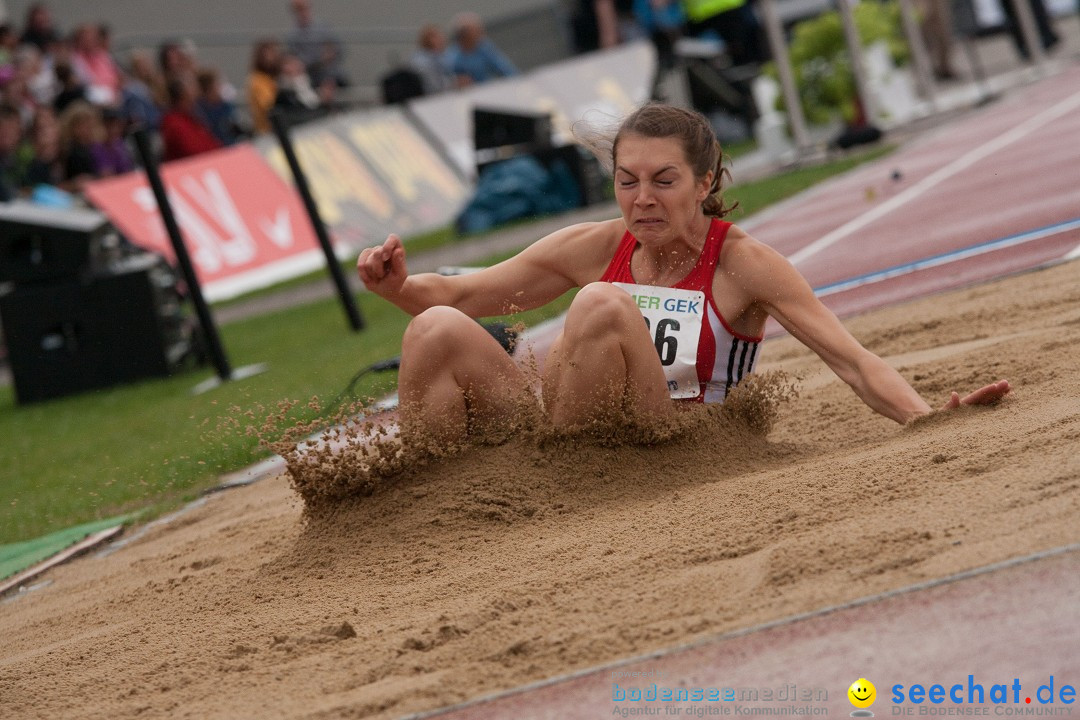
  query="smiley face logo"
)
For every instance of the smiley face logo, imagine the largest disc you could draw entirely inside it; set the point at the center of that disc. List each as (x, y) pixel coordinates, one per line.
(862, 693)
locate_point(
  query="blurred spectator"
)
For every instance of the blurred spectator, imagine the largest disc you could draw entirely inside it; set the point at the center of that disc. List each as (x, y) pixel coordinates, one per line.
(15, 92)
(9, 42)
(38, 73)
(45, 167)
(94, 65)
(10, 137)
(262, 83)
(430, 61)
(174, 60)
(39, 30)
(316, 46)
(218, 112)
(1043, 26)
(143, 92)
(663, 20)
(616, 22)
(734, 21)
(296, 98)
(183, 132)
(80, 131)
(112, 155)
(936, 26)
(474, 55)
(71, 88)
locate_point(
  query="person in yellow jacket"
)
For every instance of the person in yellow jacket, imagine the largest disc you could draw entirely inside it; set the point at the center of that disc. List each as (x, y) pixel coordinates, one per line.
(734, 21)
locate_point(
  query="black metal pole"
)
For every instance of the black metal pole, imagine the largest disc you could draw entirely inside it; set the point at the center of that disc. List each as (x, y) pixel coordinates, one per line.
(206, 320)
(344, 292)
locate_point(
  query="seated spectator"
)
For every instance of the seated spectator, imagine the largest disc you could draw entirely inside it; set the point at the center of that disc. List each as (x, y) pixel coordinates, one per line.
(316, 45)
(218, 112)
(15, 92)
(80, 131)
(10, 140)
(174, 60)
(112, 155)
(183, 132)
(9, 43)
(262, 83)
(39, 30)
(142, 93)
(430, 61)
(473, 55)
(94, 65)
(71, 88)
(296, 98)
(39, 76)
(45, 166)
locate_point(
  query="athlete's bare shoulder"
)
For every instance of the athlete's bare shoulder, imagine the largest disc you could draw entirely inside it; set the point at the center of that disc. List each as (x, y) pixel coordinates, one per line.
(580, 251)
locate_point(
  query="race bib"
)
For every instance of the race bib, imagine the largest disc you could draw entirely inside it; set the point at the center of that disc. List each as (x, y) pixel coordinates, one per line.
(674, 319)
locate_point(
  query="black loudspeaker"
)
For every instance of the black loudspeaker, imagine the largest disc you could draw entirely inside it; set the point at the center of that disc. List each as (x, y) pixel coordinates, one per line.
(45, 244)
(120, 325)
(495, 128)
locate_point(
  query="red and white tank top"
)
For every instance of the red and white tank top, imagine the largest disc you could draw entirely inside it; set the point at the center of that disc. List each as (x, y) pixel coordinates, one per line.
(724, 357)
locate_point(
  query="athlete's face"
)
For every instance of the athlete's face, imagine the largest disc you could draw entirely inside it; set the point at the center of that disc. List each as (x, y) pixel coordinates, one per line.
(657, 192)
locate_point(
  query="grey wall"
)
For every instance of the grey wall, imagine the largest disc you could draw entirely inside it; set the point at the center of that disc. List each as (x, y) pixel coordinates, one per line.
(529, 31)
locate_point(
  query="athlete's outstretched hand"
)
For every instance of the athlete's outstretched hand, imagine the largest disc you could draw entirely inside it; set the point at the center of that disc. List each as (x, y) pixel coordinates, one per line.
(382, 268)
(983, 396)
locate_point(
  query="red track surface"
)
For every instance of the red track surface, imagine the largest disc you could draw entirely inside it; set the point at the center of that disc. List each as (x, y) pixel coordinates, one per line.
(1007, 170)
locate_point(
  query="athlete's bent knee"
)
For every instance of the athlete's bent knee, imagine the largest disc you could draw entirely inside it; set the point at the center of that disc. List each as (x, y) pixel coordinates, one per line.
(601, 307)
(435, 330)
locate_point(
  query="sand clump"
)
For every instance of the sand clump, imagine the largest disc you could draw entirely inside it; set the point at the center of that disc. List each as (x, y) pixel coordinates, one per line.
(494, 566)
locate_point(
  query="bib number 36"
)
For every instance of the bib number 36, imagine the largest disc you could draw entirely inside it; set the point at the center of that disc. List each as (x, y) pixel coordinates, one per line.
(667, 346)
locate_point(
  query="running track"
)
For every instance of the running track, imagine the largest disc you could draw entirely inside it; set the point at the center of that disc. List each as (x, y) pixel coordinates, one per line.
(994, 193)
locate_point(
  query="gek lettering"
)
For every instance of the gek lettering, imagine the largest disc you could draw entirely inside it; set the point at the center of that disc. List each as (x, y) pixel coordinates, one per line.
(651, 302)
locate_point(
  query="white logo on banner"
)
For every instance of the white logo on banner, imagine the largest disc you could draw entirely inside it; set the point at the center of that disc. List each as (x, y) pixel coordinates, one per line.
(217, 236)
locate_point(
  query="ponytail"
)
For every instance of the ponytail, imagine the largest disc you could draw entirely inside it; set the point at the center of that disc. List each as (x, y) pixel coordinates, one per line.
(713, 205)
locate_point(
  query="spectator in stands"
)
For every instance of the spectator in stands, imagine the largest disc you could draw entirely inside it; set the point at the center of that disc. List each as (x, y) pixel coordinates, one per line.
(15, 92)
(734, 21)
(218, 112)
(45, 167)
(316, 45)
(262, 83)
(39, 30)
(174, 60)
(112, 155)
(10, 138)
(94, 65)
(9, 42)
(39, 76)
(430, 61)
(71, 88)
(474, 55)
(80, 131)
(183, 132)
(1043, 26)
(295, 96)
(143, 91)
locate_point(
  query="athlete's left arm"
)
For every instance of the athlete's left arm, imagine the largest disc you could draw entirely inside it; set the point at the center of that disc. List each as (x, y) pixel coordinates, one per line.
(781, 290)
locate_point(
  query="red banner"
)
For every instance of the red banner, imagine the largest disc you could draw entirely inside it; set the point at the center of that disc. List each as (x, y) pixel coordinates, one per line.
(243, 226)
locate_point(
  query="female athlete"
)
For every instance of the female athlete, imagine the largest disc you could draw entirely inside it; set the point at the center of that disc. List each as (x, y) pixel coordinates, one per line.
(704, 287)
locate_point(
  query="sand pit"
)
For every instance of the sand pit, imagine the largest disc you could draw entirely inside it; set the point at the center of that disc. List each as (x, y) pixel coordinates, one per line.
(508, 565)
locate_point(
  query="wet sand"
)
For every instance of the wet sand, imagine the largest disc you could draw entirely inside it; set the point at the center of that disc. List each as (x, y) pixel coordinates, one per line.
(507, 565)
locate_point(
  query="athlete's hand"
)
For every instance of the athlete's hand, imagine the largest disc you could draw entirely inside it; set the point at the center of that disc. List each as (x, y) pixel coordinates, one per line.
(382, 268)
(988, 395)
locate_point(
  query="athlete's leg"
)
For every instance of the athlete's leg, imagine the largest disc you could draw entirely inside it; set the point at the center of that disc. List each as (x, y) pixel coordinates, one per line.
(605, 354)
(455, 376)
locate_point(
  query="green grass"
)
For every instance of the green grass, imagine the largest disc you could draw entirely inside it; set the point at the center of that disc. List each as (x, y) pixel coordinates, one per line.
(152, 444)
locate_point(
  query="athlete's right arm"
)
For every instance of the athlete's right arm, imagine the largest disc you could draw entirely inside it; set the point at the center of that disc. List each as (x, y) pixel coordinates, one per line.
(542, 272)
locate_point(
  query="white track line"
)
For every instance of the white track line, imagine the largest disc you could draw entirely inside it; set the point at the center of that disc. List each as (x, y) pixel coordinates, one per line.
(939, 176)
